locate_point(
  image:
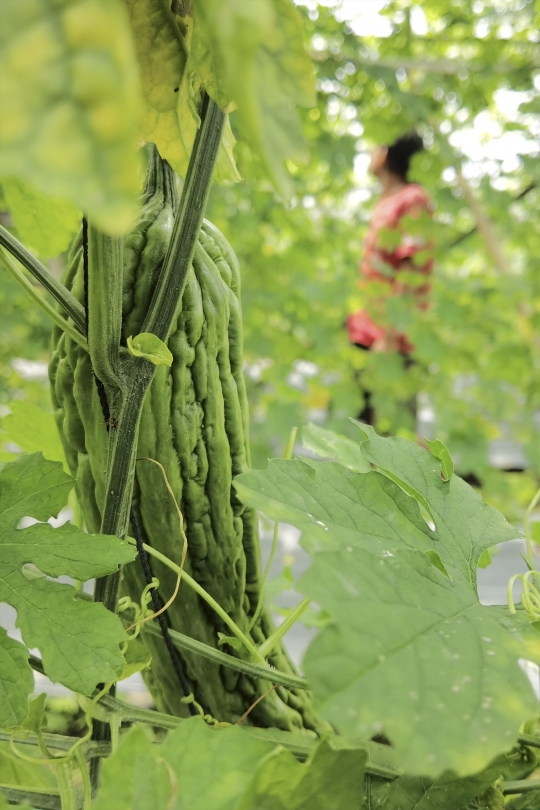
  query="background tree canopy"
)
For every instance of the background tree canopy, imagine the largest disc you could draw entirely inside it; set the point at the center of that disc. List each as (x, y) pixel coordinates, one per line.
(466, 75)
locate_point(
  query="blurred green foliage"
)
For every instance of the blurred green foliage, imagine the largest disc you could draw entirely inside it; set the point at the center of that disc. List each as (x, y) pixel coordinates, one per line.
(477, 347)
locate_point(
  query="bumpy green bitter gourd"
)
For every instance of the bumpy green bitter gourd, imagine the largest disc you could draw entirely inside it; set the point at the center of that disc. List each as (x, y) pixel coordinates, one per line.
(195, 423)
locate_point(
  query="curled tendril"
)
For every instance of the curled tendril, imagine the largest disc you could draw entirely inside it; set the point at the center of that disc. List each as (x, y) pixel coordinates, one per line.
(530, 598)
(206, 717)
(141, 611)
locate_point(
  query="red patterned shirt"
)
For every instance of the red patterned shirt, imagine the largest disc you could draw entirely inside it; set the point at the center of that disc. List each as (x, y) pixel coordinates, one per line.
(384, 265)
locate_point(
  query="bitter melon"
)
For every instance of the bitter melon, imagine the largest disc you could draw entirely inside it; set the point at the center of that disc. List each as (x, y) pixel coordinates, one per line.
(195, 423)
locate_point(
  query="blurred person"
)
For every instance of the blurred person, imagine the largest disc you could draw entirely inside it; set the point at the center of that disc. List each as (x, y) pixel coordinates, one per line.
(383, 265)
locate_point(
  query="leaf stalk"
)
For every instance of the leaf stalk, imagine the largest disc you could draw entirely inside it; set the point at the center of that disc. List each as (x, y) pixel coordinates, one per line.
(69, 328)
(68, 301)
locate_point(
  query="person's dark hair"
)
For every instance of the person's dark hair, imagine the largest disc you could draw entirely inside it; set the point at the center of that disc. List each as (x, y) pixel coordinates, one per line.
(401, 151)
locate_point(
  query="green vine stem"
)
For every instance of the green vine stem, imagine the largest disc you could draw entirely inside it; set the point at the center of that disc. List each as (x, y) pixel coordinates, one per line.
(68, 796)
(300, 747)
(85, 776)
(46, 279)
(529, 739)
(29, 288)
(59, 742)
(39, 798)
(266, 648)
(168, 294)
(520, 786)
(248, 644)
(184, 642)
(104, 310)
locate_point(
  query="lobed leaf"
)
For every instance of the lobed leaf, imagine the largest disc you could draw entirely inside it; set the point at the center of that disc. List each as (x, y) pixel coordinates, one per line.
(465, 526)
(416, 656)
(447, 791)
(134, 777)
(410, 651)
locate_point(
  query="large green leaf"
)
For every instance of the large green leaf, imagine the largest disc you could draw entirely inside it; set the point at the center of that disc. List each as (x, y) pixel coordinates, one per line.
(70, 104)
(330, 502)
(46, 226)
(411, 651)
(253, 54)
(78, 640)
(416, 655)
(227, 769)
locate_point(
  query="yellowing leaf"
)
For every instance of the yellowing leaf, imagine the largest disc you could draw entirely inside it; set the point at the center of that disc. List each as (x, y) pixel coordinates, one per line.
(70, 105)
(170, 119)
(162, 54)
(151, 348)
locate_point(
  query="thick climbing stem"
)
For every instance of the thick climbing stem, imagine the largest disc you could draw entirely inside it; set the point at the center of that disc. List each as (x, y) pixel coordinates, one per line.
(520, 786)
(127, 379)
(121, 470)
(34, 797)
(68, 796)
(136, 373)
(104, 309)
(164, 306)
